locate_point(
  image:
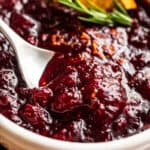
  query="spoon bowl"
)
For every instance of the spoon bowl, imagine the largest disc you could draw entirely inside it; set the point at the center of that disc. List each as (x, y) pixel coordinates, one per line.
(31, 59)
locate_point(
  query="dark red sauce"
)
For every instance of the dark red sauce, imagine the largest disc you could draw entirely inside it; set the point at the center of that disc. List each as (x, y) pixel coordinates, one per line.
(96, 88)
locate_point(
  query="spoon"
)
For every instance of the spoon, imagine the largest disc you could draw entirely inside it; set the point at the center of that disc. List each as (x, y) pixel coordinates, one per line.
(32, 60)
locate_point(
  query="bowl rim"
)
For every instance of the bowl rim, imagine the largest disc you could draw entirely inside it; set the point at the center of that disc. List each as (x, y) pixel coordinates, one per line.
(8, 128)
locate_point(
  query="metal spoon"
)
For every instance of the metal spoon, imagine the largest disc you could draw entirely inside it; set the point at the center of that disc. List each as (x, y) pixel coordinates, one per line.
(32, 60)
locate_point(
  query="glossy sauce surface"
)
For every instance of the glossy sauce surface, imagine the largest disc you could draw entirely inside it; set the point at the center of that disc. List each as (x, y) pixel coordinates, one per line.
(96, 88)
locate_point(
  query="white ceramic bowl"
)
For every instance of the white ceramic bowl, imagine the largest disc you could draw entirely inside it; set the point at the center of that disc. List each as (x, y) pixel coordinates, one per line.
(15, 137)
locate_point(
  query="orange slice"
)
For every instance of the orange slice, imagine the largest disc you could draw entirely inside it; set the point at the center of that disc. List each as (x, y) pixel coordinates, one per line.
(129, 4)
(105, 4)
(108, 4)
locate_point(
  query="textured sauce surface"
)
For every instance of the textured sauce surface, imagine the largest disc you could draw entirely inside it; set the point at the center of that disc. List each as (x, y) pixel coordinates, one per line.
(96, 88)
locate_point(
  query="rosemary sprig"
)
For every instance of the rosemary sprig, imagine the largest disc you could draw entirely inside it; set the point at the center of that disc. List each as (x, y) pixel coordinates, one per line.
(97, 15)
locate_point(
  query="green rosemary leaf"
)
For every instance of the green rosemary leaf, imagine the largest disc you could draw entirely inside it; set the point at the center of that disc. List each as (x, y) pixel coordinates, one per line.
(120, 7)
(85, 9)
(121, 18)
(92, 20)
(71, 5)
(97, 15)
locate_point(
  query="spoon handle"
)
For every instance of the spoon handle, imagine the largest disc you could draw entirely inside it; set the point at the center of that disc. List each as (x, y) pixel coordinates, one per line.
(13, 37)
(32, 60)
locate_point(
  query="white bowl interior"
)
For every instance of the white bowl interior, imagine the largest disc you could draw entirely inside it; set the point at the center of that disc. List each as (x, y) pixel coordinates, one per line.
(28, 140)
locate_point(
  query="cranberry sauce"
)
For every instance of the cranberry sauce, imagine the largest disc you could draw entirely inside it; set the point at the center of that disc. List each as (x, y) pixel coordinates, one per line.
(96, 88)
